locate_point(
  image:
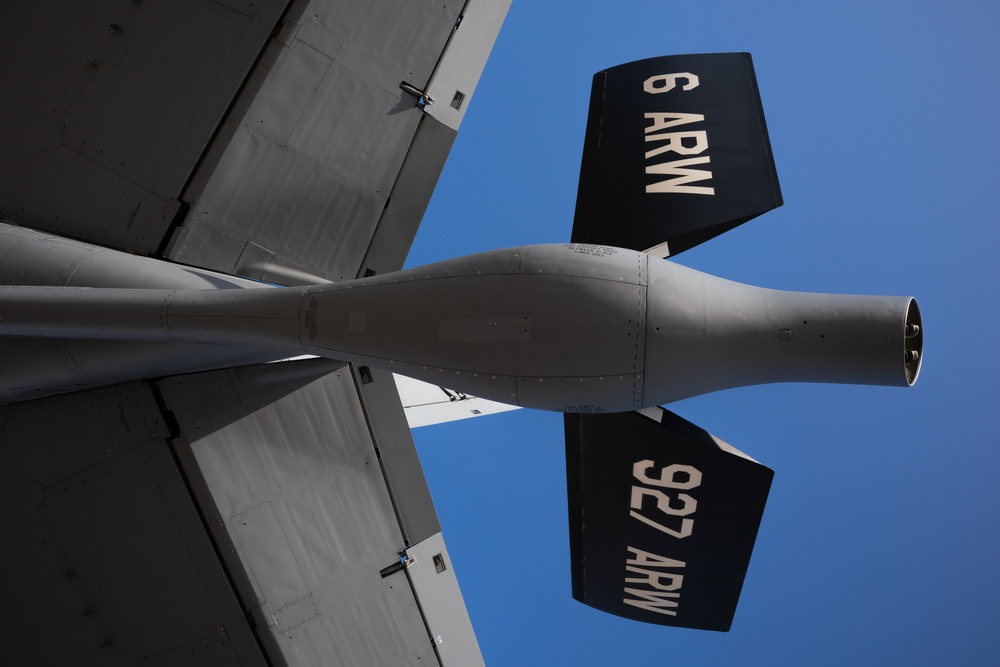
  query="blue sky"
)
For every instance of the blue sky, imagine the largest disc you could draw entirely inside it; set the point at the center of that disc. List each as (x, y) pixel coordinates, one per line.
(880, 543)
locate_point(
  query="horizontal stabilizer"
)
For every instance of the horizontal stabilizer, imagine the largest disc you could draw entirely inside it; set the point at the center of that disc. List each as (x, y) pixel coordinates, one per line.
(663, 518)
(676, 153)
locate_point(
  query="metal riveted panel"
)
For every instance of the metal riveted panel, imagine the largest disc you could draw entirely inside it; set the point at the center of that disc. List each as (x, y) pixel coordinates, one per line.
(307, 164)
(111, 105)
(432, 576)
(457, 73)
(512, 314)
(425, 404)
(104, 549)
(291, 483)
(36, 367)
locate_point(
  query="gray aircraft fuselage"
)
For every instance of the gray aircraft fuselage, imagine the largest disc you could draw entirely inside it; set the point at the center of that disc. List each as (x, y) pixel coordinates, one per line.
(568, 327)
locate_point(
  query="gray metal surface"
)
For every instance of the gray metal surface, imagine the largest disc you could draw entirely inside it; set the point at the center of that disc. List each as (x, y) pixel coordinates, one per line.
(106, 561)
(37, 367)
(706, 333)
(292, 481)
(110, 106)
(310, 155)
(280, 459)
(457, 72)
(304, 511)
(425, 404)
(304, 162)
(432, 576)
(397, 454)
(576, 328)
(507, 302)
(409, 198)
(31, 257)
(298, 156)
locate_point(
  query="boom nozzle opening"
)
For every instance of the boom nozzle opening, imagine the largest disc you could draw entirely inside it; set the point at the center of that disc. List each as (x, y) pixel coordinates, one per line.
(913, 342)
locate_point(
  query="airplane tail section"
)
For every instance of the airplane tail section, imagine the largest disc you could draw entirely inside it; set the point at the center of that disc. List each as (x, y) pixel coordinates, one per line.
(676, 152)
(663, 518)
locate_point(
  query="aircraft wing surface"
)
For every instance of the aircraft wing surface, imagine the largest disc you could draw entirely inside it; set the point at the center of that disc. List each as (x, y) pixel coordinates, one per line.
(238, 136)
(250, 516)
(263, 514)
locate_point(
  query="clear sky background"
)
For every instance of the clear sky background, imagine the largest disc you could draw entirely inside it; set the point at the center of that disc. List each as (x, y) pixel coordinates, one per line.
(880, 544)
